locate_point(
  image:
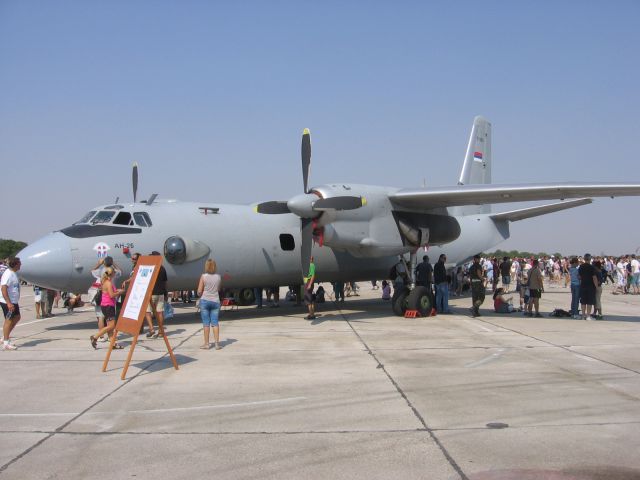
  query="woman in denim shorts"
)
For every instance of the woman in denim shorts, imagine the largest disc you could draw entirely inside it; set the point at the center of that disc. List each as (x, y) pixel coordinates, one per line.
(208, 288)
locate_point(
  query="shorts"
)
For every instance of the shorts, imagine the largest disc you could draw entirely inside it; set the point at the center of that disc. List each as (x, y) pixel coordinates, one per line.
(309, 297)
(5, 310)
(37, 298)
(98, 311)
(109, 312)
(636, 279)
(506, 279)
(535, 293)
(588, 296)
(158, 300)
(209, 312)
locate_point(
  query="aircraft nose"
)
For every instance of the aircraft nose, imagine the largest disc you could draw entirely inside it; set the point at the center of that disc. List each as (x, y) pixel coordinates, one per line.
(47, 262)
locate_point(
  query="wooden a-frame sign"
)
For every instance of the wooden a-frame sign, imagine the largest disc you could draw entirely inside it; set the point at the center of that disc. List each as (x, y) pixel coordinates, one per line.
(135, 306)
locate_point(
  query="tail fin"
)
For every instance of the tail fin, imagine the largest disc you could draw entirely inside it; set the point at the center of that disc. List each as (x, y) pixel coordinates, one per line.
(477, 162)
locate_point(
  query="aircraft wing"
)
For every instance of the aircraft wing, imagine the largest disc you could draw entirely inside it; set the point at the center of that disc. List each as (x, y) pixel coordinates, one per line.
(515, 215)
(438, 197)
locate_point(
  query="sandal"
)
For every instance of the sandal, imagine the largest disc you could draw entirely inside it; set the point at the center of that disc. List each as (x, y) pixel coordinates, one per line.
(150, 334)
(94, 342)
(117, 346)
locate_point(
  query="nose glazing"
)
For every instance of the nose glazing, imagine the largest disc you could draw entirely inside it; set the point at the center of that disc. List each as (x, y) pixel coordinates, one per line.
(47, 262)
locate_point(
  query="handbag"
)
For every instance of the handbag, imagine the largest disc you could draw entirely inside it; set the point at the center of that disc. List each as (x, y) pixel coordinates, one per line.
(168, 310)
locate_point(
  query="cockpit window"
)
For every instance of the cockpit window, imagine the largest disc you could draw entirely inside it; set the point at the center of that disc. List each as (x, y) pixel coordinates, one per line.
(103, 217)
(123, 218)
(86, 218)
(142, 219)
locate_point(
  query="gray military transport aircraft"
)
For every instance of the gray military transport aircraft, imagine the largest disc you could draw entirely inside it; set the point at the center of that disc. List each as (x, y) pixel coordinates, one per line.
(355, 232)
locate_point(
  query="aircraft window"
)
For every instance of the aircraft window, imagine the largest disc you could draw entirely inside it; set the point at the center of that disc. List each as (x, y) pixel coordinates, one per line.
(103, 217)
(114, 207)
(142, 219)
(287, 242)
(86, 218)
(123, 218)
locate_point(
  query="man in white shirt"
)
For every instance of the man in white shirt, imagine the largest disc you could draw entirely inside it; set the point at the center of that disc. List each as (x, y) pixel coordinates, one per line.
(10, 288)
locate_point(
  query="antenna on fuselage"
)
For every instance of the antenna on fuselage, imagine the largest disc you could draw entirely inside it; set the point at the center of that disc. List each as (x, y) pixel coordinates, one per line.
(152, 198)
(116, 202)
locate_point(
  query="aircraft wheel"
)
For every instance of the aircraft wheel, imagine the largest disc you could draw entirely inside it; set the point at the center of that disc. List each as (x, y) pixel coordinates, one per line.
(420, 300)
(246, 296)
(399, 301)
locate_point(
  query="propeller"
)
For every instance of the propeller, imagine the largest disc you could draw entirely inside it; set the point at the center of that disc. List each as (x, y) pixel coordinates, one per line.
(306, 231)
(134, 179)
(305, 151)
(309, 205)
(272, 208)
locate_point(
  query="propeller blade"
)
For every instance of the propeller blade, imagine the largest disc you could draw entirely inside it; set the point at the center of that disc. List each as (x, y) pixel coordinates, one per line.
(306, 157)
(306, 230)
(272, 208)
(339, 203)
(134, 178)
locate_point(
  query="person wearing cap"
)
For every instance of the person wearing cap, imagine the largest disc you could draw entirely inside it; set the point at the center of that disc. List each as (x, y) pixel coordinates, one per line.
(477, 286)
(9, 298)
(588, 285)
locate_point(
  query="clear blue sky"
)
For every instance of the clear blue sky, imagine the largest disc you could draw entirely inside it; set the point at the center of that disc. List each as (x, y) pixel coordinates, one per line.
(210, 98)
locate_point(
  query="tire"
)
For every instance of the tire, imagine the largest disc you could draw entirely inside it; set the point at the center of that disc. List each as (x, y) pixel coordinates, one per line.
(420, 300)
(399, 301)
(245, 297)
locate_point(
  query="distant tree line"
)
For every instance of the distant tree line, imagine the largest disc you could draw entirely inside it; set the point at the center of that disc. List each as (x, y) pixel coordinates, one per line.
(9, 248)
(516, 253)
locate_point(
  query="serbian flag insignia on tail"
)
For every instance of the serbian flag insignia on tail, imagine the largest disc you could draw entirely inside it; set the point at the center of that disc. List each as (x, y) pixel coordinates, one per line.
(477, 156)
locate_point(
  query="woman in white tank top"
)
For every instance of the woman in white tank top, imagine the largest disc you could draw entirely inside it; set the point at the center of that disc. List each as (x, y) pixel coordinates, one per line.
(208, 288)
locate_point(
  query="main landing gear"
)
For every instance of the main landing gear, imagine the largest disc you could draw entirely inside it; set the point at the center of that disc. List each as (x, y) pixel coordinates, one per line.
(411, 297)
(417, 299)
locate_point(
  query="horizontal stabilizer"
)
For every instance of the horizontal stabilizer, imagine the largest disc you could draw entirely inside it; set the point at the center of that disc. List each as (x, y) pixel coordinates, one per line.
(482, 194)
(515, 215)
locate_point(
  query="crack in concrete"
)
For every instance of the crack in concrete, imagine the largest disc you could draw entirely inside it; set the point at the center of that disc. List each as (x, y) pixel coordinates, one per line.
(58, 430)
(415, 411)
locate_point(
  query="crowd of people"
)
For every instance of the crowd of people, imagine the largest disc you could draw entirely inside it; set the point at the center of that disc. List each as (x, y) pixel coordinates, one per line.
(525, 277)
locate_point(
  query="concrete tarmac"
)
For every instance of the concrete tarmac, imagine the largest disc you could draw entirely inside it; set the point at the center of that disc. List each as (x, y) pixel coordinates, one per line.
(356, 393)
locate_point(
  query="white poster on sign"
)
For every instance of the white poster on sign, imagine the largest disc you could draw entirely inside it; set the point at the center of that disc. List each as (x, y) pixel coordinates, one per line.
(138, 290)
